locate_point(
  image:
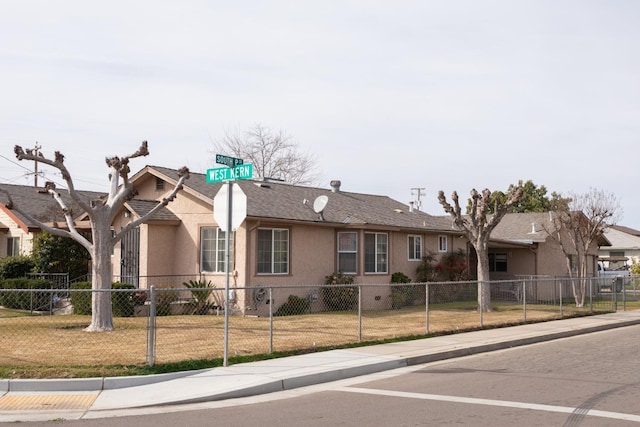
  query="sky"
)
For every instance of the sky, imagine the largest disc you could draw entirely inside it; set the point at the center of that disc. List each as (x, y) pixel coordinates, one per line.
(388, 96)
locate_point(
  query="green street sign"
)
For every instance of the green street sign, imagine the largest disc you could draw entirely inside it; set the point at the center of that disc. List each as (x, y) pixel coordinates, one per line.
(244, 171)
(232, 162)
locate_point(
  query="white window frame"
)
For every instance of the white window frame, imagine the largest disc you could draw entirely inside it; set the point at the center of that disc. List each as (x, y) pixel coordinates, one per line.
(381, 266)
(216, 246)
(351, 252)
(275, 265)
(443, 243)
(414, 247)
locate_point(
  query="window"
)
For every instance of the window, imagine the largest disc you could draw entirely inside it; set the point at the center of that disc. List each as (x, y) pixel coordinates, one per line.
(442, 243)
(273, 251)
(415, 248)
(13, 246)
(159, 183)
(347, 252)
(212, 250)
(497, 262)
(375, 252)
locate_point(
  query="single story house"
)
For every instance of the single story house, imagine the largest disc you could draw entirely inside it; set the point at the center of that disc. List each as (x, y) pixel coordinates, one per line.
(625, 246)
(17, 231)
(284, 240)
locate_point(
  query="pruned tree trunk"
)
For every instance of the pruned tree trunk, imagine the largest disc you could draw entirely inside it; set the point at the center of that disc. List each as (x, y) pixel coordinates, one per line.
(101, 214)
(101, 269)
(478, 227)
(484, 278)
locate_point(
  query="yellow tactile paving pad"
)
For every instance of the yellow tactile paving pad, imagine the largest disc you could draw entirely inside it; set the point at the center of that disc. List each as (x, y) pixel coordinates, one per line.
(35, 402)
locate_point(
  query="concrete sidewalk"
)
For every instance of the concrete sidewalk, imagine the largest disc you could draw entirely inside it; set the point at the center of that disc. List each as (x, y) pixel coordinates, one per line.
(24, 400)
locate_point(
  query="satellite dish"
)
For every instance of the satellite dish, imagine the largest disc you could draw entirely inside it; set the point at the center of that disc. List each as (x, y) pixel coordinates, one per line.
(319, 204)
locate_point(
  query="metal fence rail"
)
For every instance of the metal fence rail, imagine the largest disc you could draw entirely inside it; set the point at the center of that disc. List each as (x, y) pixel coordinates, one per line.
(170, 324)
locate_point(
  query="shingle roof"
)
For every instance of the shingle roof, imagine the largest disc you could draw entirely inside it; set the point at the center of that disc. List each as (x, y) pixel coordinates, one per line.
(280, 201)
(523, 227)
(40, 204)
(621, 240)
(142, 207)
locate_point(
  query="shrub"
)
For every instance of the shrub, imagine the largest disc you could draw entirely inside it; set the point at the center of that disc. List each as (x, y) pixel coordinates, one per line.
(122, 303)
(294, 305)
(337, 296)
(426, 271)
(200, 292)
(34, 300)
(404, 294)
(56, 254)
(81, 301)
(165, 295)
(453, 267)
(16, 266)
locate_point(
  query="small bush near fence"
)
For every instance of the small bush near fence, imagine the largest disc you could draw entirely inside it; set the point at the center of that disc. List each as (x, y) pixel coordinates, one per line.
(294, 305)
(339, 297)
(122, 303)
(26, 300)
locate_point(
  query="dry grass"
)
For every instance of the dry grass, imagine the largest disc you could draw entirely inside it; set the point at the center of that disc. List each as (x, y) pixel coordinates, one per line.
(58, 346)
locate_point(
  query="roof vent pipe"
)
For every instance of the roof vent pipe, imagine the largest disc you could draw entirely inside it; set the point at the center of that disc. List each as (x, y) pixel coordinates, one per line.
(335, 185)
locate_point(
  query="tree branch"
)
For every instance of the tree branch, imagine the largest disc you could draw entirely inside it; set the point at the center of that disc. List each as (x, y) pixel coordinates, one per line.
(58, 163)
(183, 175)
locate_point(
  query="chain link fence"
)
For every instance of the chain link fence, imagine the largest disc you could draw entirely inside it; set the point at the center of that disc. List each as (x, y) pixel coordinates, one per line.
(184, 319)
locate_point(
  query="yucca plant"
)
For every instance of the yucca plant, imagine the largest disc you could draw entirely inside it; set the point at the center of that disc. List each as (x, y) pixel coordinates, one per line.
(200, 291)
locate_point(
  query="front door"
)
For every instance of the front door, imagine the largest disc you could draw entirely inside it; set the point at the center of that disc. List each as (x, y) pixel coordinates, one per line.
(130, 257)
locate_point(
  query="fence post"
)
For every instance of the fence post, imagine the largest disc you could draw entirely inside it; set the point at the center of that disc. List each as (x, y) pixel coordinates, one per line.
(591, 294)
(561, 314)
(624, 296)
(426, 304)
(359, 313)
(480, 299)
(151, 334)
(524, 299)
(270, 320)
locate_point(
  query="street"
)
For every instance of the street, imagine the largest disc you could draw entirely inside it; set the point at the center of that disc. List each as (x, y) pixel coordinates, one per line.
(587, 380)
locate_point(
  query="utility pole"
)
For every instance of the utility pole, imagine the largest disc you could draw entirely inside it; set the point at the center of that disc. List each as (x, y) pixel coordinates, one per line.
(419, 193)
(36, 152)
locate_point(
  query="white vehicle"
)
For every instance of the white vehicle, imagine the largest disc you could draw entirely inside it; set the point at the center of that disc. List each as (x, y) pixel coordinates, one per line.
(620, 276)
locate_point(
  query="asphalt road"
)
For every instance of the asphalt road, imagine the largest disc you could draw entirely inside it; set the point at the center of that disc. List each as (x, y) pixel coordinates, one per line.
(587, 380)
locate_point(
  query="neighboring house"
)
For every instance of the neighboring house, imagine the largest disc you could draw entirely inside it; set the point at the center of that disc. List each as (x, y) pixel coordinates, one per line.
(283, 241)
(16, 230)
(625, 247)
(521, 245)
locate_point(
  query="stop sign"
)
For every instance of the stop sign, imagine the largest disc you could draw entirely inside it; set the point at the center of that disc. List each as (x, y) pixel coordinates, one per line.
(221, 209)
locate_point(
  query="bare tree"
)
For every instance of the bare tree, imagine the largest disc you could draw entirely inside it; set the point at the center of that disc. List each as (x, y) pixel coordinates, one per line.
(577, 227)
(478, 227)
(101, 214)
(272, 153)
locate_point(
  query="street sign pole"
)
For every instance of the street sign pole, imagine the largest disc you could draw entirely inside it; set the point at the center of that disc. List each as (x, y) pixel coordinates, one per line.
(235, 169)
(227, 267)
